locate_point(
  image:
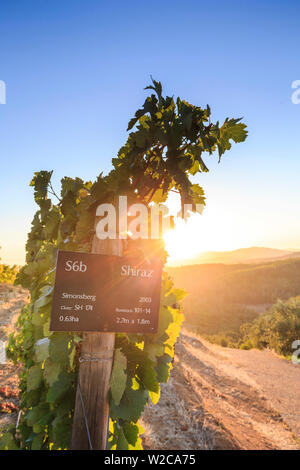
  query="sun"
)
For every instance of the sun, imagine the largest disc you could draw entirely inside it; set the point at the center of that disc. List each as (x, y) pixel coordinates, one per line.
(213, 230)
(186, 240)
(197, 235)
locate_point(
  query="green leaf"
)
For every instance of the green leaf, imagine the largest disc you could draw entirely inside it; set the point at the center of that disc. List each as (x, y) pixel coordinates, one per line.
(42, 349)
(46, 328)
(40, 181)
(37, 428)
(148, 376)
(131, 405)
(60, 349)
(157, 87)
(231, 129)
(45, 418)
(163, 368)
(165, 318)
(32, 398)
(170, 299)
(194, 168)
(118, 376)
(44, 299)
(131, 432)
(84, 225)
(155, 396)
(154, 350)
(38, 417)
(34, 378)
(72, 357)
(65, 405)
(52, 223)
(32, 416)
(60, 387)
(51, 371)
(138, 443)
(122, 443)
(7, 442)
(37, 442)
(179, 293)
(62, 431)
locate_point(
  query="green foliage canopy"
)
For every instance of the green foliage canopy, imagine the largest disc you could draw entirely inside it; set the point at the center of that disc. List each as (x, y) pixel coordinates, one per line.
(160, 155)
(167, 146)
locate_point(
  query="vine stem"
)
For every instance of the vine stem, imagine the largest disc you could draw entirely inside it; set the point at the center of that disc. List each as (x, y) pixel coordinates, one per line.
(53, 192)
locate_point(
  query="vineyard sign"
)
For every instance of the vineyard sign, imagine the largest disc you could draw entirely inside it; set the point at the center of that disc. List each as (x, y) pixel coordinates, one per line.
(96, 292)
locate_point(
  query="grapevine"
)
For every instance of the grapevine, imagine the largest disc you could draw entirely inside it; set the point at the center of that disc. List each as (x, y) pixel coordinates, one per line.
(160, 156)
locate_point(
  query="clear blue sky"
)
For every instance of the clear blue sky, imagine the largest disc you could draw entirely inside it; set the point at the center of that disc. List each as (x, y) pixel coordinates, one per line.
(75, 72)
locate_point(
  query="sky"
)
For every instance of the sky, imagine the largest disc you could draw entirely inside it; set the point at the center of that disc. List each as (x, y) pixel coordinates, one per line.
(75, 72)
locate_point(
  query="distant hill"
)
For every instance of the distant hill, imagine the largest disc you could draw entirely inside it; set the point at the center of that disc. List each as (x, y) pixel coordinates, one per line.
(292, 255)
(222, 296)
(242, 255)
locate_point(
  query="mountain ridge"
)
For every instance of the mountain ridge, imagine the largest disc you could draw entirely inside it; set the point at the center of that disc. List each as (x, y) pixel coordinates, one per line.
(241, 255)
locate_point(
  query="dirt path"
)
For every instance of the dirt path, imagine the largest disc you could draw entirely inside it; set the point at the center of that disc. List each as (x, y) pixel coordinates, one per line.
(276, 378)
(11, 301)
(225, 399)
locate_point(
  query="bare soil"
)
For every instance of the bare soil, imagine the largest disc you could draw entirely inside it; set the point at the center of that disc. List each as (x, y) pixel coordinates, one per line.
(11, 301)
(219, 398)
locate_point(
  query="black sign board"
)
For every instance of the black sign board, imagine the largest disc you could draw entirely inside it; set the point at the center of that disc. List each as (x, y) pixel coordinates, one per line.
(105, 293)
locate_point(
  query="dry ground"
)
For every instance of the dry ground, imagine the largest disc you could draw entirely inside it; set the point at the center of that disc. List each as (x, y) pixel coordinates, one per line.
(11, 301)
(225, 399)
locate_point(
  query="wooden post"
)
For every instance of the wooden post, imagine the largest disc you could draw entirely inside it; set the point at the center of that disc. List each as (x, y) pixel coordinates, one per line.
(94, 376)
